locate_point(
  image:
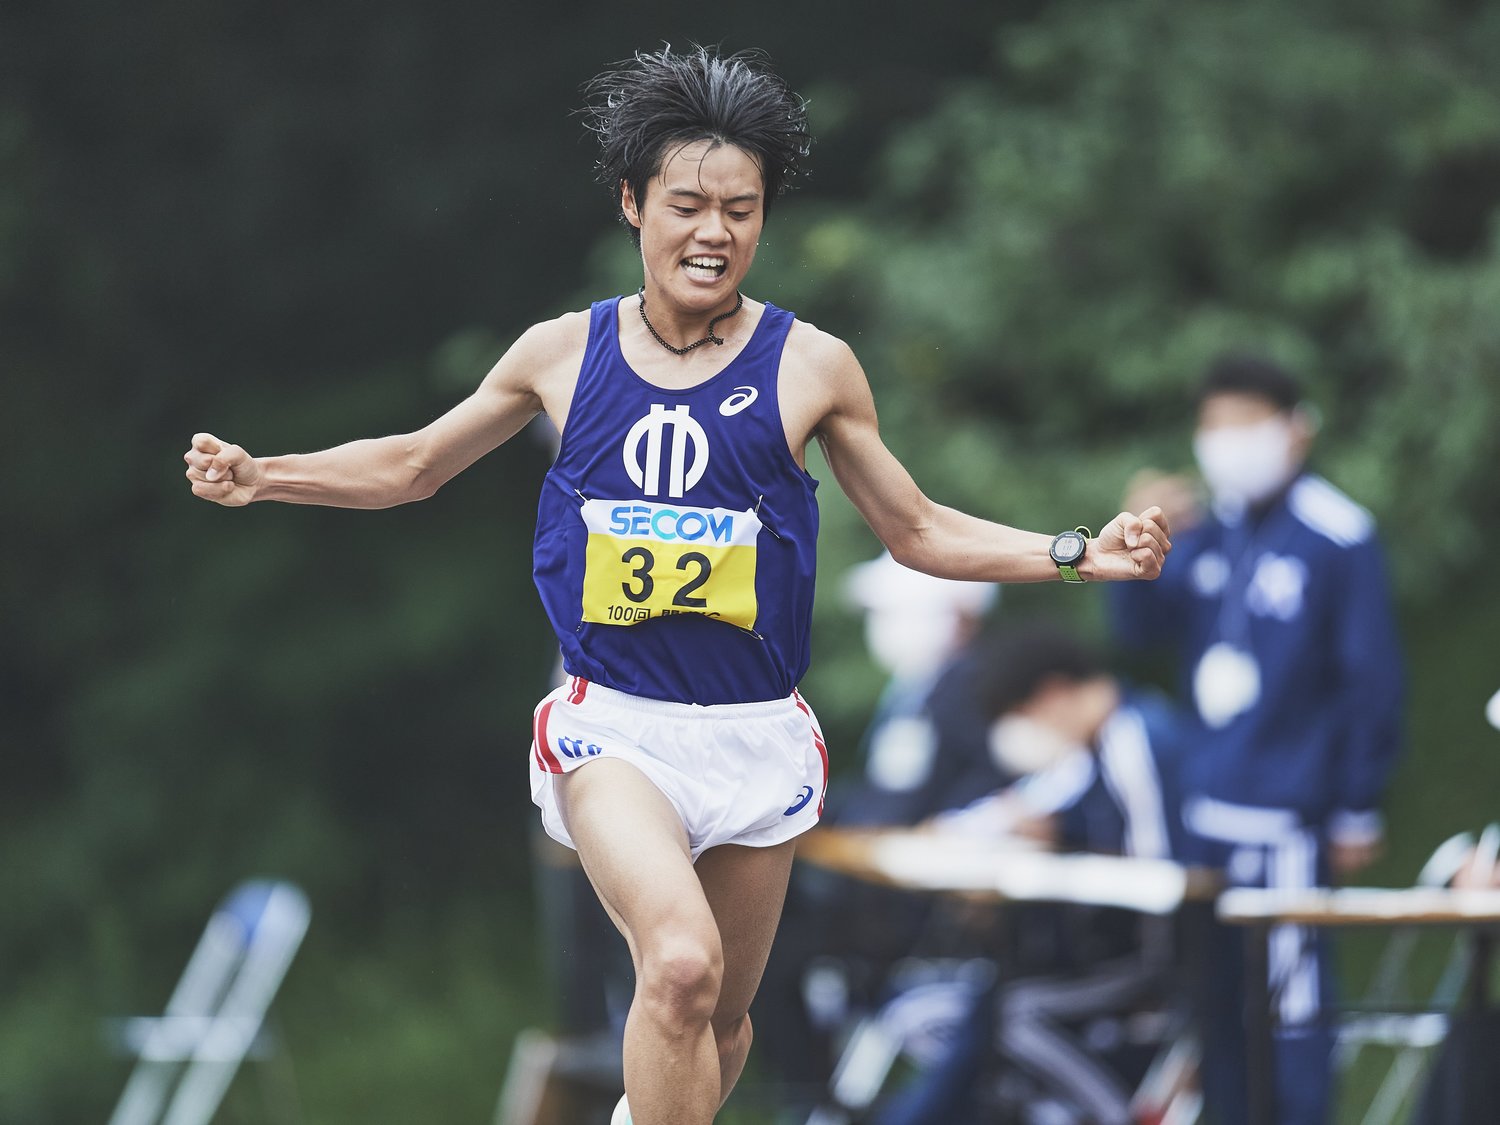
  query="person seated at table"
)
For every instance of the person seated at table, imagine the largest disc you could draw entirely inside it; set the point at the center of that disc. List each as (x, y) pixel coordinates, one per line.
(1098, 765)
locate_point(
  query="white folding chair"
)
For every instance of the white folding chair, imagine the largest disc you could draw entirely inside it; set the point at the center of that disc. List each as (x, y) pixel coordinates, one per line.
(1413, 1036)
(187, 1056)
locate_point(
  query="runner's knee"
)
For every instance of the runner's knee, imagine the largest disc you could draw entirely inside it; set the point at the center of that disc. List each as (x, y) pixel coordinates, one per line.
(680, 979)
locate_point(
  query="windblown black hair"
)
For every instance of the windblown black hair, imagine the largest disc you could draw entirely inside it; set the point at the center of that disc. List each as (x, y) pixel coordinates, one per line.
(642, 106)
(1243, 374)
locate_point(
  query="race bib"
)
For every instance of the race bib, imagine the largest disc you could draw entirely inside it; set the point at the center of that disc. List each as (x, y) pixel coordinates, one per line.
(647, 560)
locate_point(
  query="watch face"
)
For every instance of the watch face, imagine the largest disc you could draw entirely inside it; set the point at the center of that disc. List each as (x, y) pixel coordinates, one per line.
(1068, 547)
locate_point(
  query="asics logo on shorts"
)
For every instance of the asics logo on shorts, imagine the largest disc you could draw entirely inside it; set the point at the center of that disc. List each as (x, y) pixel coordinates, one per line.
(801, 802)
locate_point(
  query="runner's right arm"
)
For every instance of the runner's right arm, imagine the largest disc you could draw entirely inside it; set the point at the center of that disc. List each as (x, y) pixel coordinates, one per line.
(383, 472)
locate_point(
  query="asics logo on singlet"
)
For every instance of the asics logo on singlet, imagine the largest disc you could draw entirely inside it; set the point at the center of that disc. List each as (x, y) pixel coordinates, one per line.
(646, 473)
(742, 397)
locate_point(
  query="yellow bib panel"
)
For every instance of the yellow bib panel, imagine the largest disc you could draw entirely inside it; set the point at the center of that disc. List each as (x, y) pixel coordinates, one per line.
(646, 560)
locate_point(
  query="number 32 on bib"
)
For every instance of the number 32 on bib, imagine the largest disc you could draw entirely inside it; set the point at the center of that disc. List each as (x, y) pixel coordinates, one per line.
(647, 560)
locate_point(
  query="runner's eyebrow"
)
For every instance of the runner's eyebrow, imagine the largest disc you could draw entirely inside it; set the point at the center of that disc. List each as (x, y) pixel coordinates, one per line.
(689, 193)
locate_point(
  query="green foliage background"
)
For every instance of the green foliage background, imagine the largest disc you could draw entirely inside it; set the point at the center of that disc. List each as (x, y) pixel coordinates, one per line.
(1034, 223)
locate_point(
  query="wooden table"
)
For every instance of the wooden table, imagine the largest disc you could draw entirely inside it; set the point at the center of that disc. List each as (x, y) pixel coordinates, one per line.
(1259, 909)
(998, 871)
(1010, 870)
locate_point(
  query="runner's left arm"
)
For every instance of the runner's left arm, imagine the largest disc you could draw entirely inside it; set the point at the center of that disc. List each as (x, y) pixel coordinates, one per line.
(943, 541)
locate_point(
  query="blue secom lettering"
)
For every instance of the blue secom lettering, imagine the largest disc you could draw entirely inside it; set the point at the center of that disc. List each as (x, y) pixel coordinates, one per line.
(640, 521)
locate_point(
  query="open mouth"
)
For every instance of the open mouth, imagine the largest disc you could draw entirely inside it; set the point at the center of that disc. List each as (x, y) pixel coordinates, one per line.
(704, 267)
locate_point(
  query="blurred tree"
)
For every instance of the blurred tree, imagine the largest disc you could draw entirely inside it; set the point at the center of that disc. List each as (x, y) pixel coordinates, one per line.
(1046, 262)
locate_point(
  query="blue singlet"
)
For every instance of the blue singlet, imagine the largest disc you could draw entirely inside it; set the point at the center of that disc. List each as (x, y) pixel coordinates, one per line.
(676, 536)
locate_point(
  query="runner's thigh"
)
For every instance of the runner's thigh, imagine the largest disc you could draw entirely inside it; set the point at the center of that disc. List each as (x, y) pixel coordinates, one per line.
(745, 887)
(635, 851)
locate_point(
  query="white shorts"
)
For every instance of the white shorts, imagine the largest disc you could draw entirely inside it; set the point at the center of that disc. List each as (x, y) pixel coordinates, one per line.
(737, 773)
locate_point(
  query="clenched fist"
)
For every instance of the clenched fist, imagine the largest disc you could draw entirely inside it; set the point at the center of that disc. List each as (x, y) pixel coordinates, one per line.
(221, 472)
(1131, 546)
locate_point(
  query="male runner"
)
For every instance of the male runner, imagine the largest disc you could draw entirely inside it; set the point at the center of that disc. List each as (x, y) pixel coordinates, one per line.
(675, 550)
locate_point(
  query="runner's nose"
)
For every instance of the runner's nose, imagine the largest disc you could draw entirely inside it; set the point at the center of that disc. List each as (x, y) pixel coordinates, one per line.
(711, 229)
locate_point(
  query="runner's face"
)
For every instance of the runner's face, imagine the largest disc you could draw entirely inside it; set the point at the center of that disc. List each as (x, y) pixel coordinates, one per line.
(699, 224)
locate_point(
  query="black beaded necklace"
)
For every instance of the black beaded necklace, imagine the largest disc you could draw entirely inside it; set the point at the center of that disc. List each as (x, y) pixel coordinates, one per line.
(739, 303)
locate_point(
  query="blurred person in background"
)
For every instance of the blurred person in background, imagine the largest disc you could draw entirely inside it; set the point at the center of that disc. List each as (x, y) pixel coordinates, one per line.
(1096, 768)
(928, 732)
(1279, 613)
(839, 937)
(675, 553)
(1094, 763)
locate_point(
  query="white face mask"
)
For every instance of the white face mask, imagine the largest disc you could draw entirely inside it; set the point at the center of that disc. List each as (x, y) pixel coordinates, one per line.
(911, 644)
(1246, 464)
(1023, 746)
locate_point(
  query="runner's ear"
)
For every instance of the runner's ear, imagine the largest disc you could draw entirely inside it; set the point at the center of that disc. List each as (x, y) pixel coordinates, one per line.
(629, 206)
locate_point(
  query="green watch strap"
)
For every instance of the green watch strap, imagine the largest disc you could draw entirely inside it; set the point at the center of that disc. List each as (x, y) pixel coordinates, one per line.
(1068, 571)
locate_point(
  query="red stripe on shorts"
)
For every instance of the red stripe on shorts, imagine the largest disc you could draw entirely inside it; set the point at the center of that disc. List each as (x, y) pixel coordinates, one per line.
(544, 755)
(580, 689)
(818, 742)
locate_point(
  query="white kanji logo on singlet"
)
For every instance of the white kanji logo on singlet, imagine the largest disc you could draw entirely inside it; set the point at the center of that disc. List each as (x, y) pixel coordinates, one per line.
(652, 429)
